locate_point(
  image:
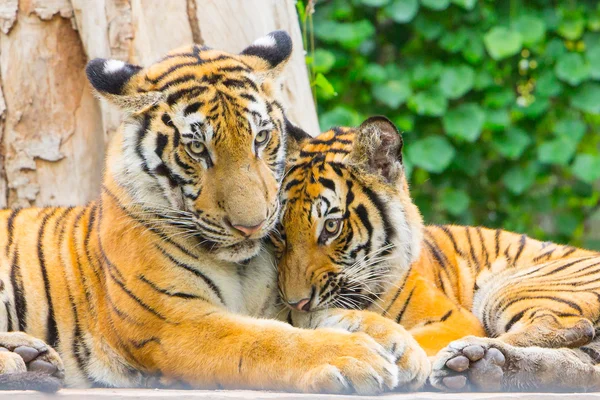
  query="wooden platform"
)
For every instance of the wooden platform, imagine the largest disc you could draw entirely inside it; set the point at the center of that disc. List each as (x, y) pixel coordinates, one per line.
(130, 394)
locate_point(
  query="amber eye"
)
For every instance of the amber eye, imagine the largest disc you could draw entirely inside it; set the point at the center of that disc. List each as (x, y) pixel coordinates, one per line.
(262, 137)
(332, 226)
(196, 148)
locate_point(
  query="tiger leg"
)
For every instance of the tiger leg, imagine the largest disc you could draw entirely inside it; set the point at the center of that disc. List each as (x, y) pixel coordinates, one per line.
(20, 352)
(489, 364)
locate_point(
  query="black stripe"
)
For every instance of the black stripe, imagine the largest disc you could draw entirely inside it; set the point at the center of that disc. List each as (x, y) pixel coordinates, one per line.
(10, 224)
(522, 242)
(52, 331)
(405, 306)
(497, 239)
(514, 320)
(16, 281)
(328, 183)
(169, 293)
(484, 250)
(9, 316)
(446, 316)
(472, 249)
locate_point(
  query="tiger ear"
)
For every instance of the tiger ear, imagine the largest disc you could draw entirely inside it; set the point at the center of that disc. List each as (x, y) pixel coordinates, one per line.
(118, 82)
(269, 54)
(295, 138)
(378, 148)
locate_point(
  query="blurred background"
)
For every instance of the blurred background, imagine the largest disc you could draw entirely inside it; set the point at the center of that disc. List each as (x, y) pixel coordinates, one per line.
(498, 101)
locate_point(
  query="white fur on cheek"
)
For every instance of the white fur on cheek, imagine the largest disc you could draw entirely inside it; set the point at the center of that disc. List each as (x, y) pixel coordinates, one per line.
(111, 66)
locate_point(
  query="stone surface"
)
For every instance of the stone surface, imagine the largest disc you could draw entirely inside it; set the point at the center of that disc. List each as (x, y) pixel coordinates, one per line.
(103, 394)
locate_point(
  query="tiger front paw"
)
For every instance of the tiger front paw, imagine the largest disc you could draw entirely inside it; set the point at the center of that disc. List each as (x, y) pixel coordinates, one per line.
(339, 362)
(20, 352)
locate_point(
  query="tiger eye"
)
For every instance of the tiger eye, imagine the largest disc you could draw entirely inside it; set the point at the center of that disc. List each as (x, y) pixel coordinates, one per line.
(262, 137)
(197, 148)
(332, 225)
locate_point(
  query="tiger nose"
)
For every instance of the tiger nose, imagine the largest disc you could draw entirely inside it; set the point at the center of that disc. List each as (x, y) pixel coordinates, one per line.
(248, 230)
(302, 305)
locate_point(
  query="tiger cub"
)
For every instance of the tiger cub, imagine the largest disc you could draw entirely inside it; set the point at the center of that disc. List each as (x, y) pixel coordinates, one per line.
(350, 237)
(162, 277)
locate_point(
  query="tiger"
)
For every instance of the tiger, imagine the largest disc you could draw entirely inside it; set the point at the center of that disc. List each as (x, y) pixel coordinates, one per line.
(494, 310)
(163, 280)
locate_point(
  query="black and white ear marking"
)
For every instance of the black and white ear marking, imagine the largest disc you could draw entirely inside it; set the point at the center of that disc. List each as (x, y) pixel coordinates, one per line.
(275, 48)
(295, 136)
(379, 147)
(110, 76)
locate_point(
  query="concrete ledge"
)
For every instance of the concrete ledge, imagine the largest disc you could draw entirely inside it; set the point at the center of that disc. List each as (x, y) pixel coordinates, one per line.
(131, 394)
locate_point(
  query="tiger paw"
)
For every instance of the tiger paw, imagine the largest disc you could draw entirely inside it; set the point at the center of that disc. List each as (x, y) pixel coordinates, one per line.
(20, 352)
(335, 362)
(412, 361)
(470, 364)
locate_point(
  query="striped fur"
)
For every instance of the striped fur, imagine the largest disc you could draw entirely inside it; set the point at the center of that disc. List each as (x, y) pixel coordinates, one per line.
(440, 282)
(162, 280)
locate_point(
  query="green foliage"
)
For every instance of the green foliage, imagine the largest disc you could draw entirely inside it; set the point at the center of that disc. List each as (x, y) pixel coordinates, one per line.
(499, 102)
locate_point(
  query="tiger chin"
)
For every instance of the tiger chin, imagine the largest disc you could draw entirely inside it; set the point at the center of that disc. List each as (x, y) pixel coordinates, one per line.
(494, 310)
(161, 278)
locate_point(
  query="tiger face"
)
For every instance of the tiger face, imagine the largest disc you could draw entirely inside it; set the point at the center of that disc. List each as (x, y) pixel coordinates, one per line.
(348, 224)
(203, 142)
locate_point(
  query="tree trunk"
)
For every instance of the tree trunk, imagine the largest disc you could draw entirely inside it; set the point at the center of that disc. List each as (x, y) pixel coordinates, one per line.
(52, 130)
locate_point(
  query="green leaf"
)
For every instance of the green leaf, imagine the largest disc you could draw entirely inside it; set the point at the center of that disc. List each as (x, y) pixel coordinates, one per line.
(570, 129)
(454, 42)
(374, 73)
(572, 26)
(498, 98)
(350, 35)
(519, 179)
(323, 61)
(512, 143)
(423, 75)
(501, 42)
(531, 28)
(402, 11)
(455, 201)
(456, 81)
(483, 79)
(430, 103)
(322, 83)
(392, 93)
(473, 50)
(464, 122)
(497, 120)
(557, 151)
(427, 28)
(587, 98)
(593, 57)
(572, 68)
(587, 167)
(548, 85)
(437, 5)
(466, 4)
(339, 116)
(375, 3)
(405, 122)
(433, 154)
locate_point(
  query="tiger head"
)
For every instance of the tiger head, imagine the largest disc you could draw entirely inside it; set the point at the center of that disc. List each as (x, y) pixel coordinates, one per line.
(348, 225)
(202, 144)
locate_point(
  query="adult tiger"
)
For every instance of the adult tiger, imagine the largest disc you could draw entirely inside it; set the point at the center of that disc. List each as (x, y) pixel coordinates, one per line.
(162, 277)
(351, 237)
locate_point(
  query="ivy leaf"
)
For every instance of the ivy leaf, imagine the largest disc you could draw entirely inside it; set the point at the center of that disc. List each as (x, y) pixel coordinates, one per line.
(587, 167)
(374, 73)
(473, 51)
(557, 151)
(587, 98)
(375, 3)
(437, 5)
(498, 98)
(423, 75)
(570, 129)
(531, 28)
(512, 143)
(428, 28)
(392, 93)
(455, 201)
(322, 83)
(483, 80)
(572, 68)
(323, 60)
(547, 85)
(593, 58)
(402, 11)
(501, 42)
(571, 27)
(431, 103)
(497, 120)
(466, 4)
(453, 42)
(464, 122)
(339, 116)
(518, 179)
(433, 154)
(456, 81)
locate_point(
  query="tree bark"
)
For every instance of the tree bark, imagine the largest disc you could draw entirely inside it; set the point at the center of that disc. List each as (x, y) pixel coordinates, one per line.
(53, 132)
